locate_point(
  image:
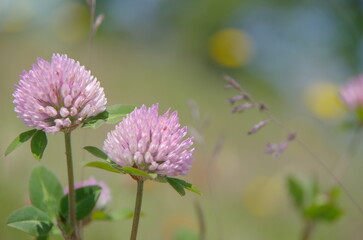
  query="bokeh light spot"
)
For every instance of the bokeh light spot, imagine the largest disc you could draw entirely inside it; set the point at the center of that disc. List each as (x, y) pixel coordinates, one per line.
(323, 100)
(231, 48)
(263, 195)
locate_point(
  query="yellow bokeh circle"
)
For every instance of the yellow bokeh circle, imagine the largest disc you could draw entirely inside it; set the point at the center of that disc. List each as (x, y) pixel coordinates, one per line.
(263, 195)
(230, 48)
(323, 100)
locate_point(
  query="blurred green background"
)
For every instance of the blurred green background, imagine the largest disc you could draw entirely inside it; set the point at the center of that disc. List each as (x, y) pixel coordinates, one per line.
(293, 55)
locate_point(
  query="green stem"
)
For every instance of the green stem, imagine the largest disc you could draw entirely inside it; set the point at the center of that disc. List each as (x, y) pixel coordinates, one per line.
(137, 211)
(308, 230)
(71, 199)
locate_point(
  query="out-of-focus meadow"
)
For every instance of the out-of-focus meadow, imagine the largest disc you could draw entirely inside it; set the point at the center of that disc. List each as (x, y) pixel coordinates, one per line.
(292, 55)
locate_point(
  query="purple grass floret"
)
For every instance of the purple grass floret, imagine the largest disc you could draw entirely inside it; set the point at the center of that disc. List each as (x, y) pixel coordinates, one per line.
(150, 142)
(235, 99)
(58, 95)
(271, 148)
(241, 108)
(233, 82)
(276, 149)
(258, 126)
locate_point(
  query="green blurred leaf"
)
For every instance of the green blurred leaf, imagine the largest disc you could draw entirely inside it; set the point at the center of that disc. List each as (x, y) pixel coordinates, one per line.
(45, 191)
(117, 112)
(296, 191)
(359, 113)
(31, 220)
(325, 212)
(185, 234)
(38, 144)
(335, 193)
(184, 184)
(136, 172)
(99, 215)
(122, 214)
(96, 121)
(102, 165)
(176, 185)
(56, 230)
(86, 199)
(22, 138)
(349, 124)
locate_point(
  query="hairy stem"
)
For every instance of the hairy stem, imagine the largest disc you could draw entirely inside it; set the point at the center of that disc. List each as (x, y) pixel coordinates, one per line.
(137, 211)
(71, 199)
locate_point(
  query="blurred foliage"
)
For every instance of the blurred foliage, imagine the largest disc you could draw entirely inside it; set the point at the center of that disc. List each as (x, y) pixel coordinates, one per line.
(314, 205)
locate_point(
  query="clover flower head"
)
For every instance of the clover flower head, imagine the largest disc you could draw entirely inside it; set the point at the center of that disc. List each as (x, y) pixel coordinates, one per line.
(57, 95)
(105, 196)
(152, 143)
(352, 93)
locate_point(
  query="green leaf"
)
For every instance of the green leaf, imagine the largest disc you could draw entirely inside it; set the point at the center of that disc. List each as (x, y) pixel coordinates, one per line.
(296, 191)
(31, 220)
(137, 172)
(117, 112)
(96, 152)
(86, 199)
(22, 138)
(45, 191)
(335, 193)
(184, 184)
(176, 185)
(325, 212)
(99, 215)
(111, 115)
(100, 154)
(103, 166)
(38, 144)
(122, 214)
(96, 121)
(189, 186)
